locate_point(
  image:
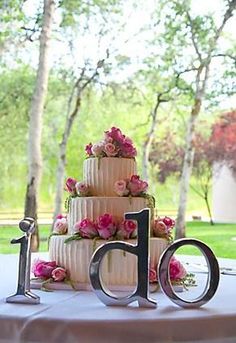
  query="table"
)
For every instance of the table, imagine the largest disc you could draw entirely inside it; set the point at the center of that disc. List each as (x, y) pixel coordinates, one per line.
(71, 317)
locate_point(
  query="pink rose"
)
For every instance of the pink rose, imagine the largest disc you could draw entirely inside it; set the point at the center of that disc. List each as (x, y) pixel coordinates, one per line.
(88, 149)
(115, 134)
(120, 188)
(58, 274)
(97, 149)
(176, 270)
(106, 226)
(86, 228)
(82, 188)
(70, 185)
(110, 150)
(152, 275)
(137, 186)
(170, 223)
(43, 269)
(159, 228)
(59, 216)
(60, 226)
(127, 148)
(126, 228)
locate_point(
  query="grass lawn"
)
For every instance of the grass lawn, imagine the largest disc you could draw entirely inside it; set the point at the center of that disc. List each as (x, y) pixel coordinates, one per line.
(221, 238)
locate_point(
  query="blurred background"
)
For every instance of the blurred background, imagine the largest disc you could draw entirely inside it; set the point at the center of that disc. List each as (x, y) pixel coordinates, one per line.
(162, 71)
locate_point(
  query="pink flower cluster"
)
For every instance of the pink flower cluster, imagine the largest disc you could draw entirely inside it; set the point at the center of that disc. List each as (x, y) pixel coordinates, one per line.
(106, 227)
(60, 225)
(48, 270)
(76, 188)
(162, 227)
(114, 144)
(176, 270)
(133, 186)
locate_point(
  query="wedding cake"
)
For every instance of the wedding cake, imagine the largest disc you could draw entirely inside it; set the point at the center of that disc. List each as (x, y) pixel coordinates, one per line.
(96, 207)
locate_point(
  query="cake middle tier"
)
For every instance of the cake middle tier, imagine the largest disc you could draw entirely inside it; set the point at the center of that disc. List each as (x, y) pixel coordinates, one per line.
(101, 174)
(93, 207)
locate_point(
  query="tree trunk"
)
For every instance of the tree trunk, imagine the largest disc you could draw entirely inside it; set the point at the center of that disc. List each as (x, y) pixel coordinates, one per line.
(186, 173)
(150, 135)
(62, 157)
(208, 209)
(80, 85)
(35, 124)
(146, 149)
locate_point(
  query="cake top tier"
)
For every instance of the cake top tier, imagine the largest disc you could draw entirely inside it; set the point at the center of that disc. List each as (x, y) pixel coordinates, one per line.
(114, 144)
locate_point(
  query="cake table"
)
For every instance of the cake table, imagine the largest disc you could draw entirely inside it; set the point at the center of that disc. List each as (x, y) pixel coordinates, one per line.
(69, 316)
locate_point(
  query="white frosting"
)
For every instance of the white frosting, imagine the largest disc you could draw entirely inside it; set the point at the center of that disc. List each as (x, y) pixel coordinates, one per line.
(101, 174)
(119, 268)
(93, 207)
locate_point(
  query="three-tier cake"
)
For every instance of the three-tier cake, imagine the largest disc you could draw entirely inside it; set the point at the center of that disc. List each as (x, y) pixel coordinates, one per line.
(96, 207)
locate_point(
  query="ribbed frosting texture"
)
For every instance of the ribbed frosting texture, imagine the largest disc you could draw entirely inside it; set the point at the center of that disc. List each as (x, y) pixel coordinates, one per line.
(93, 207)
(118, 267)
(101, 174)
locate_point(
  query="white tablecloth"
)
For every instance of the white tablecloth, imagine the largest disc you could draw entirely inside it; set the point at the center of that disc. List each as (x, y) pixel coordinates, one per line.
(72, 317)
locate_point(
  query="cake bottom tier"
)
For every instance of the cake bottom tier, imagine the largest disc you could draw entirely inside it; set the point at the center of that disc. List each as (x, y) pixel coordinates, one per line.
(118, 270)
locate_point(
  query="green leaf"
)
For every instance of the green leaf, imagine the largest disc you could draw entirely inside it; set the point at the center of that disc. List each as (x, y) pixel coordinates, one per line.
(75, 237)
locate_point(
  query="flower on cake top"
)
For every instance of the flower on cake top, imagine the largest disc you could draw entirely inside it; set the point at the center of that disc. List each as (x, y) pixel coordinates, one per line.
(76, 188)
(162, 227)
(60, 225)
(131, 187)
(114, 144)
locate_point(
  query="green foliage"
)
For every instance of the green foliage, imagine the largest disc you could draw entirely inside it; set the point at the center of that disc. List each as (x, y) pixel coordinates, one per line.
(73, 9)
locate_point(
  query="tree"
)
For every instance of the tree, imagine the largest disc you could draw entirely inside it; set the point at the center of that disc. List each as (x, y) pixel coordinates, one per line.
(191, 44)
(217, 145)
(35, 124)
(223, 140)
(201, 79)
(160, 98)
(79, 87)
(204, 153)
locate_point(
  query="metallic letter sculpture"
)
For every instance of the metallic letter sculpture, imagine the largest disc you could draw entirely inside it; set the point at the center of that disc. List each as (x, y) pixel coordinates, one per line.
(141, 250)
(212, 280)
(23, 294)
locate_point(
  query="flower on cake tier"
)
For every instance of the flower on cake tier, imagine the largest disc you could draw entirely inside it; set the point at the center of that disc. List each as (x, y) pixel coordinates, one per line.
(86, 228)
(137, 186)
(131, 187)
(177, 271)
(59, 274)
(48, 272)
(88, 149)
(82, 188)
(106, 226)
(60, 225)
(120, 188)
(127, 229)
(152, 274)
(77, 188)
(162, 227)
(43, 269)
(114, 144)
(70, 185)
